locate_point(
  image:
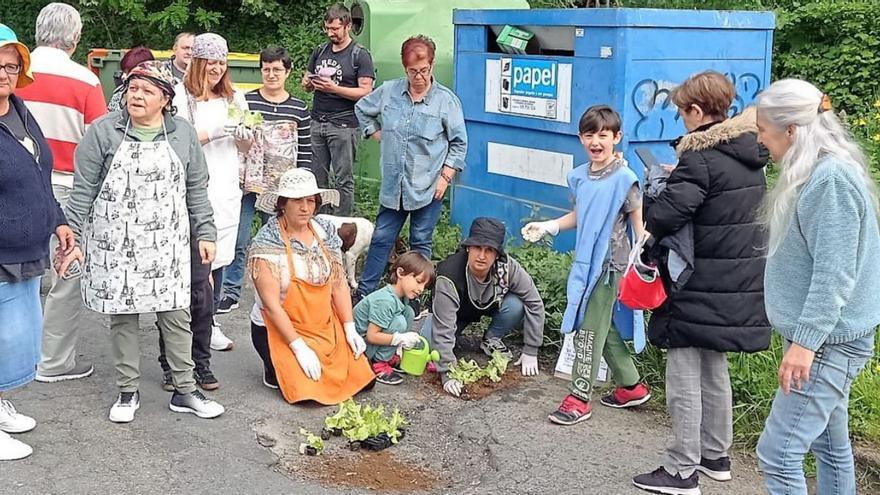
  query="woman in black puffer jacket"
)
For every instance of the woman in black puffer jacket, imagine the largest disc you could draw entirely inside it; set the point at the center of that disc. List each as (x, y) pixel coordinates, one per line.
(718, 187)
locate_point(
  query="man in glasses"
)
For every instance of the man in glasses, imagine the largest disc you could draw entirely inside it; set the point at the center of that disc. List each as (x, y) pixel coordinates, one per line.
(340, 72)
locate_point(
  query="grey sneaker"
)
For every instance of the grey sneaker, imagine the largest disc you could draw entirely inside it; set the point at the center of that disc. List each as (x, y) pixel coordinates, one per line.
(491, 345)
(195, 403)
(660, 481)
(717, 469)
(80, 370)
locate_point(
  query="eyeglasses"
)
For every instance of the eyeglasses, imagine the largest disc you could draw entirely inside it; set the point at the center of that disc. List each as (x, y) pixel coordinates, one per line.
(272, 70)
(419, 72)
(11, 69)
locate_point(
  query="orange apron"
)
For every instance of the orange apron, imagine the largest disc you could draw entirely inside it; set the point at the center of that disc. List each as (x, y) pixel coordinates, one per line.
(310, 310)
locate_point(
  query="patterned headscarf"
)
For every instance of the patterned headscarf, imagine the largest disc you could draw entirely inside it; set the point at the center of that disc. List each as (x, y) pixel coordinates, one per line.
(155, 72)
(210, 46)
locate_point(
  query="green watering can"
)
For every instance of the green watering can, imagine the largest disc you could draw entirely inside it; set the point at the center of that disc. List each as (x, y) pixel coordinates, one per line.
(414, 360)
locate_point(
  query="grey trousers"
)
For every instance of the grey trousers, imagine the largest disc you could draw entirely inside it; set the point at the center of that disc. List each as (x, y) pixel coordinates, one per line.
(178, 349)
(334, 149)
(62, 314)
(700, 403)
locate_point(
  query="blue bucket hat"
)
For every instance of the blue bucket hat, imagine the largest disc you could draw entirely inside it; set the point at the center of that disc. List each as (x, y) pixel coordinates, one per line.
(8, 38)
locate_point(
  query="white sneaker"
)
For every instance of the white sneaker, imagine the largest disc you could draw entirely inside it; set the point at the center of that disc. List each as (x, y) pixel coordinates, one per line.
(12, 449)
(220, 342)
(125, 406)
(11, 421)
(195, 403)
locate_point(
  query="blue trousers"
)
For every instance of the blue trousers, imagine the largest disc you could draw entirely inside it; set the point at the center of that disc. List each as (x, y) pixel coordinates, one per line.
(508, 318)
(815, 418)
(21, 330)
(388, 225)
(234, 273)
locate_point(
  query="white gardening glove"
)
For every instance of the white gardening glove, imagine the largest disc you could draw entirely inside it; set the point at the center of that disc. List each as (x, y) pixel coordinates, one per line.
(534, 231)
(243, 133)
(453, 387)
(407, 339)
(529, 364)
(355, 341)
(306, 358)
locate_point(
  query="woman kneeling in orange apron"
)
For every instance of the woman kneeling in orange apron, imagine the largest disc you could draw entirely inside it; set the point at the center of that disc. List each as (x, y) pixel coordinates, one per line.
(303, 299)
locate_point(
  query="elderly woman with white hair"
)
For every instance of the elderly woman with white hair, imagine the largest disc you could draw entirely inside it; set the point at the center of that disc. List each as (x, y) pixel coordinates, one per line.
(65, 99)
(821, 283)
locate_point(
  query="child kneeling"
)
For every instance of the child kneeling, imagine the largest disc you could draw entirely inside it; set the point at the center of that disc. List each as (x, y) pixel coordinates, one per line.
(384, 317)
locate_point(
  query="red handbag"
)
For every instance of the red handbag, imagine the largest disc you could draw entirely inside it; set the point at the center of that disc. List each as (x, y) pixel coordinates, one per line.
(641, 286)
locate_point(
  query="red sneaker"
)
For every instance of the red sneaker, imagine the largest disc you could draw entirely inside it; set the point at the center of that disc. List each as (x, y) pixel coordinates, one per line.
(386, 374)
(622, 398)
(571, 411)
(394, 362)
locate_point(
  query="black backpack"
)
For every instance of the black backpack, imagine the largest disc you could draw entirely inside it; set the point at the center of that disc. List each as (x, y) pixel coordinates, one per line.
(355, 54)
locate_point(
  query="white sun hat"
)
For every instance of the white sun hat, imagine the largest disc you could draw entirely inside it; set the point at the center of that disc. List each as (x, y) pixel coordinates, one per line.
(294, 184)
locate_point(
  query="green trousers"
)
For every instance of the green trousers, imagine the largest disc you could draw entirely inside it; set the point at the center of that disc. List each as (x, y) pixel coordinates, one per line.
(178, 349)
(598, 337)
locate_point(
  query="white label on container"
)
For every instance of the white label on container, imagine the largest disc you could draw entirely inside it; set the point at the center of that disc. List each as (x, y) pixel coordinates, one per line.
(579, 32)
(566, 361)
(605, 52)
(529, 163)
(537, 88)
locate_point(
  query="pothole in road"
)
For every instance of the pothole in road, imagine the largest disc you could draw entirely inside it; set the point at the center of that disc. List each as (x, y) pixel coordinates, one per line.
(377, 471)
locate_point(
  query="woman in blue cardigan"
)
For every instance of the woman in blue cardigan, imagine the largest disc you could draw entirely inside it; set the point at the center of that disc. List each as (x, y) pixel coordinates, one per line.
(29, 215)
(821, 283)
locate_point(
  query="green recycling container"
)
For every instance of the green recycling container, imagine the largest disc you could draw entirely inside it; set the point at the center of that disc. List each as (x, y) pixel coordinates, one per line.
(244, 68)
(383, 25)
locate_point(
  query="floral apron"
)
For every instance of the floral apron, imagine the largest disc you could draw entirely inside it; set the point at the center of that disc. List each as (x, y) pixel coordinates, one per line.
(137, 255)
(310, 309)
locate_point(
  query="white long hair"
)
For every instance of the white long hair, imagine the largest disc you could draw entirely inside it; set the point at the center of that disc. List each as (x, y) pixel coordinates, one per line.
(796, 103)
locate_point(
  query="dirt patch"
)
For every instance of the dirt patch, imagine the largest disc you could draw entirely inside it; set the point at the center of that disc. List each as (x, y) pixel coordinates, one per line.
(377, 471)
(478, 390)
(485, 387)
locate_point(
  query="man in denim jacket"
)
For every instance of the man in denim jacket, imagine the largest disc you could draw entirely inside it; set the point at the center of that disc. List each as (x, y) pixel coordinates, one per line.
(423, 144)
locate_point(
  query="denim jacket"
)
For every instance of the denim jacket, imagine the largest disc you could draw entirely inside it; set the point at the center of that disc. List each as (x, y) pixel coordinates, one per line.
(418, 138)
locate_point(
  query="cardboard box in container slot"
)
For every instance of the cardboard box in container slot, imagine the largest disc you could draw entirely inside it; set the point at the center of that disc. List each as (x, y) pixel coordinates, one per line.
(516, 41)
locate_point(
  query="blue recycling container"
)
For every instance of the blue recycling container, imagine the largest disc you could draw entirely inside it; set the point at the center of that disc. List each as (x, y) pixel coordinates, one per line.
(522, 110)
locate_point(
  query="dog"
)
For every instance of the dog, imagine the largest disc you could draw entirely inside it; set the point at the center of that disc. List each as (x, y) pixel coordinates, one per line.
(356, 234)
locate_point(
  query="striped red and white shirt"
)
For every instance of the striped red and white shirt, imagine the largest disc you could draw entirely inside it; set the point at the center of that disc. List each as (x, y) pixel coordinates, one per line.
(65, 98)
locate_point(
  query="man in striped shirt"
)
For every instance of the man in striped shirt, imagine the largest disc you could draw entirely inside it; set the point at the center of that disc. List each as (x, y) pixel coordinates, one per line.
(275, 104)
(64, 98)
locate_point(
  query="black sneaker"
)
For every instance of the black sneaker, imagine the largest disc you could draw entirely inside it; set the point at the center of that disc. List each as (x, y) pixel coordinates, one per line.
(660, 481)
(205, 379)
(270, 380)
(718, 469)
(167, 381)
(386, 374)
(195, 403)
(226, 305)
(491, 345)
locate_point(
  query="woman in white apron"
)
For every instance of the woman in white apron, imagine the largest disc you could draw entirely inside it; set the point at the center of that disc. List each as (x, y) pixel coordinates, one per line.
(138, 186)
(204, 99)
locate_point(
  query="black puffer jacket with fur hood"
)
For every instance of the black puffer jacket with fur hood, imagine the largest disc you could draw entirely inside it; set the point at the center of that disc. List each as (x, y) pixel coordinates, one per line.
(718, 185)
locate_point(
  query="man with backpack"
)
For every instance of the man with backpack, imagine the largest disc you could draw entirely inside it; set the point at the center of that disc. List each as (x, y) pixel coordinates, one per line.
(340, 72)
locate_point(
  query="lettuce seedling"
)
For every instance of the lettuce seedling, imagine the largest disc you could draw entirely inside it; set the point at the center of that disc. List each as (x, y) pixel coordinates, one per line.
(467, 371)
(359, 423)
(313, 441)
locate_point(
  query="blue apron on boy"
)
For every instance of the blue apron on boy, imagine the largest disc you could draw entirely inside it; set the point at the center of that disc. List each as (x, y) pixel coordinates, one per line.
(597, 204)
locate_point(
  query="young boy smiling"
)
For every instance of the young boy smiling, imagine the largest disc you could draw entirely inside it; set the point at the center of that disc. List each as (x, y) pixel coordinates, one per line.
(607, 195)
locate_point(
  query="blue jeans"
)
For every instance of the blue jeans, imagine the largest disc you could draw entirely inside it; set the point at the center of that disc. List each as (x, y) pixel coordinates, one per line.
(815, 418)
(508, 318)
(21, 329)
(388, 225)
(234, 273)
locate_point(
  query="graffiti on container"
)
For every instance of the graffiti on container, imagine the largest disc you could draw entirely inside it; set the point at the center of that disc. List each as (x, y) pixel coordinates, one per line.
(656, 114)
